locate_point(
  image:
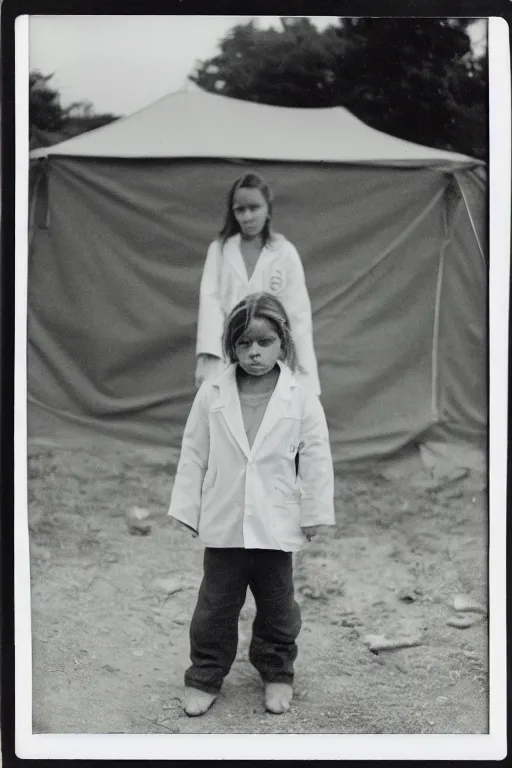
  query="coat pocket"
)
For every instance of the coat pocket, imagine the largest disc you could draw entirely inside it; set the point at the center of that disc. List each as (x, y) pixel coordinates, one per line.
(286, 493)
(286, 515)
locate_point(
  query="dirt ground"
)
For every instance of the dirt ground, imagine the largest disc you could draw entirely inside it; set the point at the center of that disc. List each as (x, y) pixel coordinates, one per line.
(110, 610)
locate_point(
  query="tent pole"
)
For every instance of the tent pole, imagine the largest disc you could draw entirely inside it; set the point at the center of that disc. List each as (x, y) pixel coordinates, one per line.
(435, 335)
(471, 220)
(32, 208)
(40, 171)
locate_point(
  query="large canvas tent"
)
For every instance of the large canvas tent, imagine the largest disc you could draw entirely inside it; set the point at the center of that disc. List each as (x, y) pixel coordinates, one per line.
(392, 237)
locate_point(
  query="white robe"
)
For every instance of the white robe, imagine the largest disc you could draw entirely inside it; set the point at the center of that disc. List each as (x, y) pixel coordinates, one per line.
(237, 495)
(225, 282)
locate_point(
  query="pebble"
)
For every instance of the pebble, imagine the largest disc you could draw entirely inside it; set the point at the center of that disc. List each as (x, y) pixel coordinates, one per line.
(442, 699)
(110, 668)
(407, 596)
(137, 513)
(139, 529)
(382, 643)
(137, 520)
(464, 603)
(449, 495)
(462, 622)
(313, 594)
(167, 585)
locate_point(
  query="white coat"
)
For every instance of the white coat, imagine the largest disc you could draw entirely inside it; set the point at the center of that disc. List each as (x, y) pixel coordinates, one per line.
(278, 271)
(234, 495)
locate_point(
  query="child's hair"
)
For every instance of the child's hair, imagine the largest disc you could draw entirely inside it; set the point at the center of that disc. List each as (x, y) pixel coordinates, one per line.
(266, 306)
(231, 225)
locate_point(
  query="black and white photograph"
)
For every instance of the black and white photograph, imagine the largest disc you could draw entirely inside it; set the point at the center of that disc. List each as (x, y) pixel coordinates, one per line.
(253, 390)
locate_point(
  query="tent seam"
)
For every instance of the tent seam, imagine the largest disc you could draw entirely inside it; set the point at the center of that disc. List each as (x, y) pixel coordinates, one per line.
(471, 220)
(436, 325)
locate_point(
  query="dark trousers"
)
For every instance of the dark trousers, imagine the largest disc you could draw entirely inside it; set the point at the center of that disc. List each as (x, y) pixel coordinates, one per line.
(214, 627)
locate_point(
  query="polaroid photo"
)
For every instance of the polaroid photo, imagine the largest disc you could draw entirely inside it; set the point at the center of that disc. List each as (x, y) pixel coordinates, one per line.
(276, 522)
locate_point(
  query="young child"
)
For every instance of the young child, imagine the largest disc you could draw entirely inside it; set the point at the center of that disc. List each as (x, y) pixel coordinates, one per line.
(246, 258)
(239, 487)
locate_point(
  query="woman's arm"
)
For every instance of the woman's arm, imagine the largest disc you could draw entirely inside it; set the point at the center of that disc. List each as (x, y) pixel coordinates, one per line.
(298, 307)
(210, 322)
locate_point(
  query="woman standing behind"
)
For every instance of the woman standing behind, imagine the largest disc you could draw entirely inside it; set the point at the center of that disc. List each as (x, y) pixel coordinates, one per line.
(248, 258)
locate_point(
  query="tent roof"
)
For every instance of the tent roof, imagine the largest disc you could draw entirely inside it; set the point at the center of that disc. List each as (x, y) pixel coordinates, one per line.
(194, 123)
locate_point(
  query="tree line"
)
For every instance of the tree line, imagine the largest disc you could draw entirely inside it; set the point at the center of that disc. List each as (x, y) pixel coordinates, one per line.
(417, 79)
(50, 122)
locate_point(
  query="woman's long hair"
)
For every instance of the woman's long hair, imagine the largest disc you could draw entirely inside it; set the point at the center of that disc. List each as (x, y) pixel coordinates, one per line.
(231, 226)
(268, 307)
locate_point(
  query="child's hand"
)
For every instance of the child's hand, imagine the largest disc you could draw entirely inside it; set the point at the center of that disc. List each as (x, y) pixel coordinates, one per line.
(310, 531)
(203, 362)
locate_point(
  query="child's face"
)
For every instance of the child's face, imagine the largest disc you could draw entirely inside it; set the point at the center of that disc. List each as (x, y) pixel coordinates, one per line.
(250, 210)
(258, 349)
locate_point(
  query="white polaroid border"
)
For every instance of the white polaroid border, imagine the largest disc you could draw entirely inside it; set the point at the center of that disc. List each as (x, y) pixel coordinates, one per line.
(492, 746)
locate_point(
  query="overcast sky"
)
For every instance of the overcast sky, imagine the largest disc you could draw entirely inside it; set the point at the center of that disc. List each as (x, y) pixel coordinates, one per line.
(123, 63)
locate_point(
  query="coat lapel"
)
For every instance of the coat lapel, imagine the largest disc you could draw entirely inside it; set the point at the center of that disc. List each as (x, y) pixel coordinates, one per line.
(278, 406)
(234, 256)
(229, 404)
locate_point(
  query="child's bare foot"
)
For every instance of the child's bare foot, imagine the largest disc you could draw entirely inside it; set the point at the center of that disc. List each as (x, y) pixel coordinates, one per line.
(198, 702)
(278, 697)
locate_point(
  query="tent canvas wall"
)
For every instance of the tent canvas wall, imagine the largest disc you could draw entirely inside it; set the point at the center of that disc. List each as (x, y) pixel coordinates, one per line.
(392, 237)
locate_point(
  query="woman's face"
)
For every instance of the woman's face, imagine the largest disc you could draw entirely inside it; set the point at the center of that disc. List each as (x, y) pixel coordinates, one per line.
(250, 210)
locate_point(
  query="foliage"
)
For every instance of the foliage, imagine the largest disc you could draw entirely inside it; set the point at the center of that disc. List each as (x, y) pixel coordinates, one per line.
(45, 109)
(50, 122)
(417, 79)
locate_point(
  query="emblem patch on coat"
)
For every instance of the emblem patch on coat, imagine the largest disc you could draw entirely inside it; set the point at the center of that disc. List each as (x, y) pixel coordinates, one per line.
(276, 281)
